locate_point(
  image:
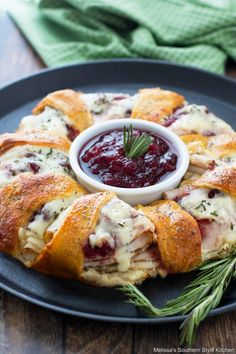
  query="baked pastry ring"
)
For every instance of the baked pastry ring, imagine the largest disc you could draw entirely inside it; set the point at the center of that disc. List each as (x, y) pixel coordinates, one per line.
(50, 224)
(34, 152)
(61, 112)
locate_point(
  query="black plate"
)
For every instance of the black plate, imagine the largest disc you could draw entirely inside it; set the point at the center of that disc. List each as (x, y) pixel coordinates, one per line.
(17, 100)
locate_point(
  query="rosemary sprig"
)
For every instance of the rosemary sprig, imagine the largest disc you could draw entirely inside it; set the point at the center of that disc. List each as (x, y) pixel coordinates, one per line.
(201, 296)
(135, 146)
(137, 298)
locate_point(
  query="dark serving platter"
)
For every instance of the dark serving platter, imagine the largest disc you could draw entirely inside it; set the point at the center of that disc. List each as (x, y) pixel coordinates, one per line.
(17, 100)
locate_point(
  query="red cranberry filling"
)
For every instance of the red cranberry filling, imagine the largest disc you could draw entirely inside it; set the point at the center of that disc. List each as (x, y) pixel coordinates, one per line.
(72, 132)
(178, 198)
(212, 193)
(104, 158)
(34, 167)
(212, 164)
(46, 216)
(104, 251)
(173, 117)
(207, 133)
(169, 120)
(119, 98)
(128, 113)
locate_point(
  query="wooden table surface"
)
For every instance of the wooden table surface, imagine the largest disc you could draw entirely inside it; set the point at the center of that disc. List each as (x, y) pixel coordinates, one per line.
(27, 328)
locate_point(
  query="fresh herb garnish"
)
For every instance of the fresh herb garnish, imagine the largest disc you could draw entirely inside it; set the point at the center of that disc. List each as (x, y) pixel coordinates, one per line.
(49, 153)
(214, 213)
(201, 296)
(135, 146)
(202, 205)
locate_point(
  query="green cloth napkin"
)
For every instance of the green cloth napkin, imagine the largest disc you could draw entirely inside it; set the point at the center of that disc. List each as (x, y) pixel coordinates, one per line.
(188, 32)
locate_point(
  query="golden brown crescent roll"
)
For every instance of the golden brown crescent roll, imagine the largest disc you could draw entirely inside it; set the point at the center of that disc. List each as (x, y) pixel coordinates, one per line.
(28, 206)
(223, 179)
(101, 240)
(211, 200)
(61, 112)
(178, 236)
(64, 254)
(39, 138)
(155, 105)
(209, 152)
(34, 152)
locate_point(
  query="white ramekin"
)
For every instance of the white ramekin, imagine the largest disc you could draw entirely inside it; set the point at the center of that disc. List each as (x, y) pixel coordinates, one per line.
(132, 196)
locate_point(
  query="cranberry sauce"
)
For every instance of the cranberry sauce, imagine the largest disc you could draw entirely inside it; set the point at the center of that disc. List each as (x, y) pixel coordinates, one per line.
(178, 113)
(103, 158)
(104, 250)
(72, 132)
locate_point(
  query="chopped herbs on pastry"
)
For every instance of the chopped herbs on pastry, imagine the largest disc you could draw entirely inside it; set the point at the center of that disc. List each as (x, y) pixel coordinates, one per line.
(195, 119)
(210, 152)
(211, 200)
(172, 111)
(28, 206)
(60, 112)
(106, 106)
(34, 152)
(67, 113)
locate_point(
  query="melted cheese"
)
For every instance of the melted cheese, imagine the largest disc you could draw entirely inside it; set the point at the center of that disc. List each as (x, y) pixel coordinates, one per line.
(105, 106)
(205, 161)
(203, 207)
(229, 160)
(59, 221)
(119, 224)
(221, 210)
(114, 278)
(32, 236)
(50, 120)
(25, 158)
(143, 266)
(196, 119)
(216, 152)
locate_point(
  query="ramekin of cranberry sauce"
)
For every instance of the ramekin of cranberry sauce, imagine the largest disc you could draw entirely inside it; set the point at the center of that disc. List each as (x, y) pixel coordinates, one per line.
(138, 160)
